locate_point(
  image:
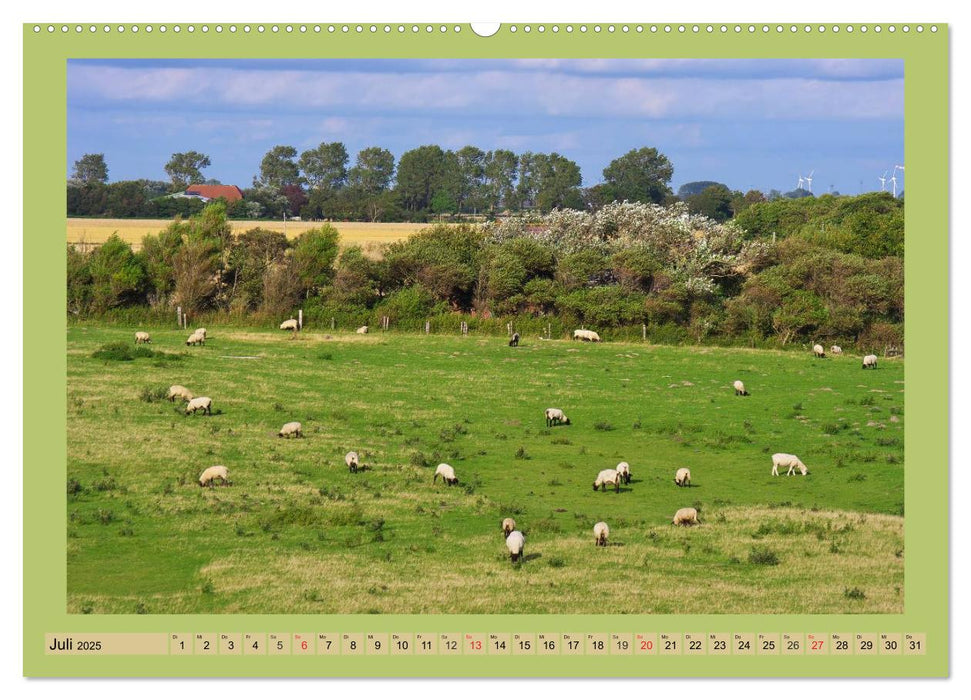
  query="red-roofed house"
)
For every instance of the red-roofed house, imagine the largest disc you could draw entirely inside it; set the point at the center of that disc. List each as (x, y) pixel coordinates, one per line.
(231, 193)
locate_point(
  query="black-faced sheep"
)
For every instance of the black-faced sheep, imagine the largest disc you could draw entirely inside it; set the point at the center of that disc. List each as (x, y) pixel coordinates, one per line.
(686, 516)
(290, 325)
(600, 534)
(352, 461)
(555, 416)
(142, 337)
(201, 403)
(624, 470)
(514, 341)
(196, 339)
(515, 543)
(836, 350)
(508, 525)
(683, 477)
(292, 429)
(781, 459)
(608, 477)
(447, 474)
(586, 336)
(739, 388)
(212, 473)
(818, 350)
(870, 361)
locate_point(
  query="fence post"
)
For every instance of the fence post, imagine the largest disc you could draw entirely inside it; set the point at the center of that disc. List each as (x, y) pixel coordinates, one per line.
(332, 323)
(428, 327)
(300, 319)
(178, 317)
(185, 320)
(643, 331)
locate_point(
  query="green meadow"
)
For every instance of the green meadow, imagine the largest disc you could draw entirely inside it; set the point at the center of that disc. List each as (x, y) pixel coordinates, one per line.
(296, 532)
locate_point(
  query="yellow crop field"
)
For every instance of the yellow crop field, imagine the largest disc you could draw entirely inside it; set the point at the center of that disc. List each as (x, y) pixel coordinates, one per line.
(97, 231)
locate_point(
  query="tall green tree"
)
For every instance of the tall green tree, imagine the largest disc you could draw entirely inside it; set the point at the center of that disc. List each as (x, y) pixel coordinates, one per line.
(91, 167)
(373, 171)
(640, 175)
(278, 168)
(499, 171)
(471, 166)
(559, 183)
(421, 173)
(527, 180)
(715, 202)
(186, 168)
(325, 167)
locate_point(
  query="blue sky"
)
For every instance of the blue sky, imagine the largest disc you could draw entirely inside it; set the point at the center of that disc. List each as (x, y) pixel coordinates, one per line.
(754, 123)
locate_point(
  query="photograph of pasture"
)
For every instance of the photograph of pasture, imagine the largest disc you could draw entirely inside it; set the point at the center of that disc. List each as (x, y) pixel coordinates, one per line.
(485, 336)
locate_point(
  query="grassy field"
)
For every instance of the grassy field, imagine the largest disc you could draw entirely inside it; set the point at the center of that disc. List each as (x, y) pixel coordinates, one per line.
(97, 231)
(298, 533)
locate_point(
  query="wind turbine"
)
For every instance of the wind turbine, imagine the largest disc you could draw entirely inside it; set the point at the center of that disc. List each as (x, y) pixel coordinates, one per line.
(883, 182)
(801, 180)
(894, 179)
(809, 181)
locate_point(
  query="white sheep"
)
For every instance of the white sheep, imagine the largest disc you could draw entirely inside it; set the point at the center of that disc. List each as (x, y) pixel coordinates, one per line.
(781, 459)
(142, 337)
(508, 525)
(686, 516)
(201, 331)
(624, 470)
(836, 350)
(586, 336)
(362, 330)
(870, 361)
(818, 350)
(290, 325)
(600, 533)
(555, 416)
(292, 429)
(739, 388)
(177, 391)
(447, 474)
(196, 339)
(352, 461)
(207, 477)
(201, 403)
(607, 476)
(515, 543)
(683, 477)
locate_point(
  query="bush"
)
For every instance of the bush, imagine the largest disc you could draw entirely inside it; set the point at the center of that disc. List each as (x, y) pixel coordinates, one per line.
(763, 556)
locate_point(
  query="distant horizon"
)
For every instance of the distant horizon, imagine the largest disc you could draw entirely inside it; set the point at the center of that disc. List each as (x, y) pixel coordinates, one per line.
(748, 123)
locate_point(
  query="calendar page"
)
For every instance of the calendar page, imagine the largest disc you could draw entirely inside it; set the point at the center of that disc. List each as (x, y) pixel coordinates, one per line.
(485, 350)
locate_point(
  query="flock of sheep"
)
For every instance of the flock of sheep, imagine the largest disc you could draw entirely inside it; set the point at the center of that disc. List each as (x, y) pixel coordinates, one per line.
(515, 539)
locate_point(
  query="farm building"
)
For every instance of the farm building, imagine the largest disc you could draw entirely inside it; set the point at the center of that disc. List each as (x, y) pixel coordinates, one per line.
(231, 193)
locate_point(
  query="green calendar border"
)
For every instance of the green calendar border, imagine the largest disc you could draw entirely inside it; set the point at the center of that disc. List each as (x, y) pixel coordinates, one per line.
(925, 56)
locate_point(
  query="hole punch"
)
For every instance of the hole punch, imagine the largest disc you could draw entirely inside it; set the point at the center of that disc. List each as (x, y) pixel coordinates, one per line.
(485, 29)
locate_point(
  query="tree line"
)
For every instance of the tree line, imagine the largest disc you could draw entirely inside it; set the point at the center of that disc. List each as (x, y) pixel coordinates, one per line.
(780, 272)
(426, 183)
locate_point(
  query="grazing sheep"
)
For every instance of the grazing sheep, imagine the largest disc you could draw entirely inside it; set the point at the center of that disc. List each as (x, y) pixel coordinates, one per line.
(600, 533)
(447, 474)
(196, 339)
(818, 350)
(624, 470)
(683, 477)
(739, 388)
(781, 459)
(686, 516)
(836, 350)
(586, 336)
(514, 341)
(362, 330)
(290, 325)
(207, 477)
(292, 429)
(177, 391)
(352, 461)
(554, 416)
(515, 543)
(608, 476)
(508, 525)
(870, 361)
(142, 337)
(203, 403)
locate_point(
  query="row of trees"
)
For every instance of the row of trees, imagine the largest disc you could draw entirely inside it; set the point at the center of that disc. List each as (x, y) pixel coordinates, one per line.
(687, 277)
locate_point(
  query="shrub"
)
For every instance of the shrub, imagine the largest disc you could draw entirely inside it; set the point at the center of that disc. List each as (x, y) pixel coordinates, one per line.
(763, 556)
